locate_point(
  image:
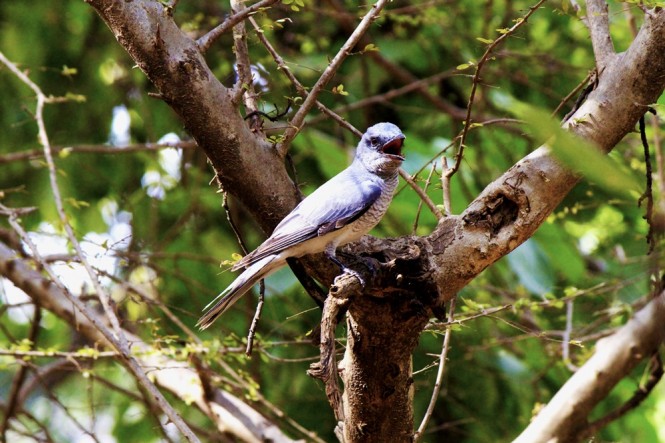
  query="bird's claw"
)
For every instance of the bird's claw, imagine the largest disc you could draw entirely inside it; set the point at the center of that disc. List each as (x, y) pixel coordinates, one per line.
(354, 274)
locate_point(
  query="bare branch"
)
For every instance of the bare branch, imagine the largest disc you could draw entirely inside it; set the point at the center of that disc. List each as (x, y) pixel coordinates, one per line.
(94, 149)
(298, 120)
(476, 80)
(204, 43)
(228, 412)
(439, 375)
(244, 87)
(597, 20)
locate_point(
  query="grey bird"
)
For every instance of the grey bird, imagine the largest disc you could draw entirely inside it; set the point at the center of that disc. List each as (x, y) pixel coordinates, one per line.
(341, 211)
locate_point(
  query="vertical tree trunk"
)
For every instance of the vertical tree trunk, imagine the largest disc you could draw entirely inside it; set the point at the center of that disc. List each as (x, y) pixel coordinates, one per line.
(377, 368)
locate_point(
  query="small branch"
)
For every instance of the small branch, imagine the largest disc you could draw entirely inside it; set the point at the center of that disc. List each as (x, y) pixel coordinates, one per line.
(565, 341)
(424, 197)
(94, 149)
(597, 20)
(244, 87)
(565, 416)
(396, 71)
(13, 404)
(303, 92)
(648, 192)
(282, 66)
(476, 80)
(298, 120)
(439, 375)
(204, 43)
(420, 203)
(326, 369)
(572, 93)
(255, 319)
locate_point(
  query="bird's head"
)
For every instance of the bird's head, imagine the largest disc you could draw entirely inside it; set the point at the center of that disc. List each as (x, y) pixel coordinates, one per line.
(380, 149)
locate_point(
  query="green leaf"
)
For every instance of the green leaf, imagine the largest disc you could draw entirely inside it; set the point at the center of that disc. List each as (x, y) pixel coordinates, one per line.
(339, 89)
(484, 40)
(574, 152)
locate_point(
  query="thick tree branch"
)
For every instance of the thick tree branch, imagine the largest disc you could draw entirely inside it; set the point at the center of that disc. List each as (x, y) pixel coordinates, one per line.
(511, 208)
(565, 418)
(173, 63)
(229, 413)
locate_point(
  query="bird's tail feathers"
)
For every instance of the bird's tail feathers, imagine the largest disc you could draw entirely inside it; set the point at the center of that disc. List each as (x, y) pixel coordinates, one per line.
(237, 289)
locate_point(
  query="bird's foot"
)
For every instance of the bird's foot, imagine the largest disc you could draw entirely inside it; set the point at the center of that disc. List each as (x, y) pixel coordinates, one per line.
(353, 273)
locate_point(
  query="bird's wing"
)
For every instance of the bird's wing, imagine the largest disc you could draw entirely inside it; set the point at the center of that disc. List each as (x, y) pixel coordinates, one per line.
(334, 205)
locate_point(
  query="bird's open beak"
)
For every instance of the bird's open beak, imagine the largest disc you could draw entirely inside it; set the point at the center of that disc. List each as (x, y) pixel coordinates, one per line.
(393, 148)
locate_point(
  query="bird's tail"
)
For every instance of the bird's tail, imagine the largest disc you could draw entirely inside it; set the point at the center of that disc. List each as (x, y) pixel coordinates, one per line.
(237, 289)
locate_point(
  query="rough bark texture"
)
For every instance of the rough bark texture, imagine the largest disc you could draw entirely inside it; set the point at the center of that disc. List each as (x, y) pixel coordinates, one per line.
(412, 276)
(511, 208)
(245, 163)
(383, 330)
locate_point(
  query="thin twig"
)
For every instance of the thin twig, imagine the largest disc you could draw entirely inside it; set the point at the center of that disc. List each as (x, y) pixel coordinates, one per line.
(13, 403)
(94, 149)
(255, 320)
(420, 203)
(439, 375)
(648, 192)
(262, 286)
(387, 96)
(424, 197)
(204, 43)
(116, 338)
(565, 343)
(296, 123)
(572, 93)
(476, 80)
(303, 92)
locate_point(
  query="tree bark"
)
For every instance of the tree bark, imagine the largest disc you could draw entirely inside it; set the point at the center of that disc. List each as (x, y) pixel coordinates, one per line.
(411, 276)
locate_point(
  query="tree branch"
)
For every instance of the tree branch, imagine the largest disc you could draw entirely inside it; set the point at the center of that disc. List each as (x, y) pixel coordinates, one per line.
(204, 43)
(511, 208)
(298, 120)
(228, 412)
(173, 63)
(597, 20)
(565, 416)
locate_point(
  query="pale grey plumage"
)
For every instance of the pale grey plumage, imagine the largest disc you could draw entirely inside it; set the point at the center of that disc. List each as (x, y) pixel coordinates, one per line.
(340, 211)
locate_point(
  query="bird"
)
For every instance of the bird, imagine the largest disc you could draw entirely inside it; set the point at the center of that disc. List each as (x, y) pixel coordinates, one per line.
(340, 211)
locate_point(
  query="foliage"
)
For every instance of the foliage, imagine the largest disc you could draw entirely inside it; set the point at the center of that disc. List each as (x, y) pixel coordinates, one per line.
(149, 217)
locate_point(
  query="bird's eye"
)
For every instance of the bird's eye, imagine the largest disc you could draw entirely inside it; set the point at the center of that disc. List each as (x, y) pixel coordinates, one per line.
(374, 140)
